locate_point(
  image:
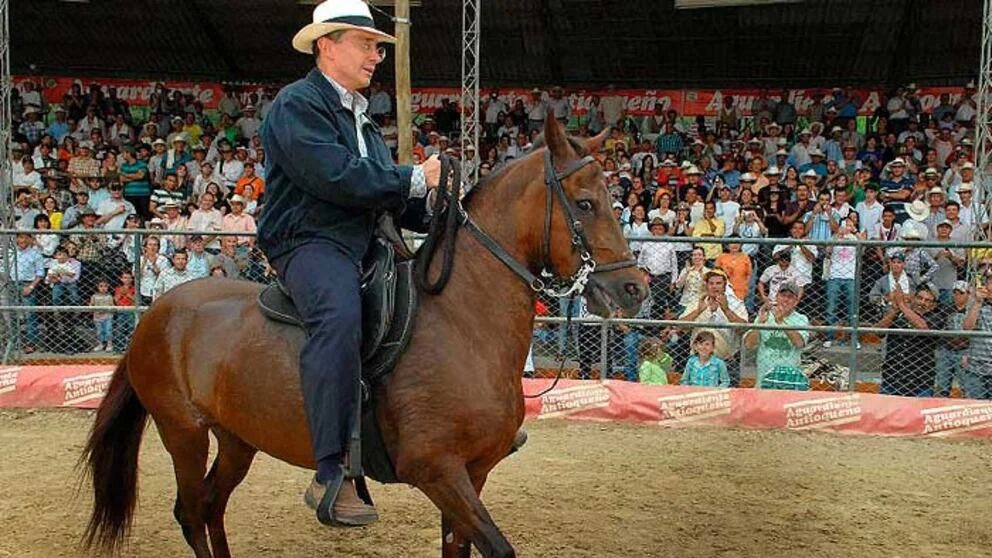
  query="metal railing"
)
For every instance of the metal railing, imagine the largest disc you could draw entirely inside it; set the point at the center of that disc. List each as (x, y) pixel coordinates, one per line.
(845, 348)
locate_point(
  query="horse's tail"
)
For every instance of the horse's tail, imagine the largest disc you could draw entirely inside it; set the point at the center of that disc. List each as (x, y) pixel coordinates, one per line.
(111, 461)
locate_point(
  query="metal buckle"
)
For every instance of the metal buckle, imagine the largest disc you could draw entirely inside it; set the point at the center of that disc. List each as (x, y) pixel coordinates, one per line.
(537, 285)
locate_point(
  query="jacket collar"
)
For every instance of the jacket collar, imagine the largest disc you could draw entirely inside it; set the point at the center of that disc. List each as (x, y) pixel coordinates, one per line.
(316, 77)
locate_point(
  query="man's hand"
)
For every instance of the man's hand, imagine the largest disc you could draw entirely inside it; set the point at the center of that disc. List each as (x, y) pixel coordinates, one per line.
(432, 171)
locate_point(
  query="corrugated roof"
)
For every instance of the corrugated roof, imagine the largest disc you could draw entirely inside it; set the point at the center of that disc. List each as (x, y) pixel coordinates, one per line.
(573, 42)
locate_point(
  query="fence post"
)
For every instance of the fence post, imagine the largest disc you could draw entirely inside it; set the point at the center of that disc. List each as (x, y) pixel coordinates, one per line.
(604, 350)
(136, 302)
(855, 318)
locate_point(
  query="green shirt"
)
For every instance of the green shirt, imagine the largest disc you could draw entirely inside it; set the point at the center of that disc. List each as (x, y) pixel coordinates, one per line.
(139, 187)
(776, 349)
(654, 372)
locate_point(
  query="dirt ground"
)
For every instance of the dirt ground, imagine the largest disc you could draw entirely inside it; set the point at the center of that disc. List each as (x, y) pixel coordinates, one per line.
(577, 490)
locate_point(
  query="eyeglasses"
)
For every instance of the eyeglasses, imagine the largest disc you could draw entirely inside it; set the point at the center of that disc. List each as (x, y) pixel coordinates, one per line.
(368, 48)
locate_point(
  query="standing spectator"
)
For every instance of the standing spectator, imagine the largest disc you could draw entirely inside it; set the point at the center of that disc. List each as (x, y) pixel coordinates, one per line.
(124, 295)
(229, 168)
(103, 320)
(719, 307)
(704, 368)
(908, 368)
(26, 271)
(779, 349)
(950, 262)
(197, 261)
(897, 189)
(114, 210)
(738, 267)
(978, 373)
(173, 276)
(168, 193)
(952, 352)
(707, 227)
(249, 178)
(690, 280)
(135, 178)
(63, 276)
(660, 260)
(239, 221)
(248, 124)
(669, 142)
(82, 167)
(840, 279)
(870, 210)
(778, 274)
(152, 265)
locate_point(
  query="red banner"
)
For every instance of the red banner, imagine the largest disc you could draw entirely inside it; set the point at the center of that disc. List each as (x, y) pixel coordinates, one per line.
(667, 406)
(425, 100)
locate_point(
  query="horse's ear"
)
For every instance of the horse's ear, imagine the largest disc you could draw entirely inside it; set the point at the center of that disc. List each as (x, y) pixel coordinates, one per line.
(595, 143)
(556, 140)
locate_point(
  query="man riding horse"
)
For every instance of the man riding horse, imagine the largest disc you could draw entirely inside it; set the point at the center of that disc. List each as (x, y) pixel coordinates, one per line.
(330, 175)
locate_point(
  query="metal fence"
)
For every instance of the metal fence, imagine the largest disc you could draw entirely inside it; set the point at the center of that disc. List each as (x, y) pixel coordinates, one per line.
(855, 316)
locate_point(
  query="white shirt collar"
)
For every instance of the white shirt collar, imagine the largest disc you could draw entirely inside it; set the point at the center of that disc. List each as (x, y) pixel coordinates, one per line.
(354, 102)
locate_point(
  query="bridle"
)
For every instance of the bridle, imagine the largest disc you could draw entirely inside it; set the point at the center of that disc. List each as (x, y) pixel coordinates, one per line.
(449, 197)
(456, 216)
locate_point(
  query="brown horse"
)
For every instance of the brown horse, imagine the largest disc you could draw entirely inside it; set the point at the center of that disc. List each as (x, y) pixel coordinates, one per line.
(204, 359)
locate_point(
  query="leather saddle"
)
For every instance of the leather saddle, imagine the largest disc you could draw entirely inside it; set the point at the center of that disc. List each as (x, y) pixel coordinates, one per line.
(389, 306)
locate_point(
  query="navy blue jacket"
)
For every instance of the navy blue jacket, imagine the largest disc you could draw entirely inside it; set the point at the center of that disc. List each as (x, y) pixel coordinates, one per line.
(317, 187)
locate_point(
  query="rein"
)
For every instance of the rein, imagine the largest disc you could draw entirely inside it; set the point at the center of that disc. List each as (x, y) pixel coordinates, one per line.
(450, 214)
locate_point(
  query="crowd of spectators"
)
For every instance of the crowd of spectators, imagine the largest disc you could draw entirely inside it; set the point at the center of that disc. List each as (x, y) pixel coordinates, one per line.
(822, 173)
(89, 164)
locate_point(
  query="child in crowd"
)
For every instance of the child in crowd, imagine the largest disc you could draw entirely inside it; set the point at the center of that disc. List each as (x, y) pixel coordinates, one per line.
(103, 321)
(704, 368)
(124, 322)
(655, 363)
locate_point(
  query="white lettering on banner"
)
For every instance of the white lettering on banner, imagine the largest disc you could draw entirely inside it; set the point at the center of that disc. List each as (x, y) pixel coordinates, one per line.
(954, 419)
(823, 412)
(8, 379)
(86, 387)
(567, 401)
(429, 102)
(871, 104)
(693, 407)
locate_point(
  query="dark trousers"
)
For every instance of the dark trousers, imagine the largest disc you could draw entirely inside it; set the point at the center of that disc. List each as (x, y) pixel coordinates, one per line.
(324, 284)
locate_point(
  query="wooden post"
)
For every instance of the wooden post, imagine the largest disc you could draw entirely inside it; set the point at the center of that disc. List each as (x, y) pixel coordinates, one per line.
(404, 118)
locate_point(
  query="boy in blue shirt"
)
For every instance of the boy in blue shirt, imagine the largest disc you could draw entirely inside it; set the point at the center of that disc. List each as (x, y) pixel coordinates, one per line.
(704, 368)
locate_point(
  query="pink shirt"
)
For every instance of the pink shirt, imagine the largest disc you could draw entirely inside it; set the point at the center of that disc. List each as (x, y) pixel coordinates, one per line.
(239, 223)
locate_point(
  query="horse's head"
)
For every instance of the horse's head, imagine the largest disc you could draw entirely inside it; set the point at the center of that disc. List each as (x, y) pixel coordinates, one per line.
(582, 224)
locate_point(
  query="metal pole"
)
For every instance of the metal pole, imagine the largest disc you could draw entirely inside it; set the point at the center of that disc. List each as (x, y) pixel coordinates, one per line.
(855, 318)
(471, 14)
(983, 124)
(604, 350)
(404, 116)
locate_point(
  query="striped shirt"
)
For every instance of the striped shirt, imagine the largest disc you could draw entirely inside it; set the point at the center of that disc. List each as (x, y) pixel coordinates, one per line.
(161, 195)
(981, 347)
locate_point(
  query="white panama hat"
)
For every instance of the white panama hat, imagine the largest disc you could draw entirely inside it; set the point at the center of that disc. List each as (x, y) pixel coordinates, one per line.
(338, 15)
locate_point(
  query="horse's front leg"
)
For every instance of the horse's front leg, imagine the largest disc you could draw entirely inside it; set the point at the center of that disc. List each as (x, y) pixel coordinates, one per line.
(464, 518)
(453, 541)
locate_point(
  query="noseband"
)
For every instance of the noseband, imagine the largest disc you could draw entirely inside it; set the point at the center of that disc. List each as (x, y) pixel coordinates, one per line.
(580, 243)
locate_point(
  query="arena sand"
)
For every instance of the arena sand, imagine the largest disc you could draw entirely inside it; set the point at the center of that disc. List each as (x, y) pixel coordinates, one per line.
(577, 490)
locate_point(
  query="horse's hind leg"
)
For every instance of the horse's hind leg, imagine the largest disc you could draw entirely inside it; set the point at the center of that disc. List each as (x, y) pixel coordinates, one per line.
(458, 499)
(188, 446)
(233, 460)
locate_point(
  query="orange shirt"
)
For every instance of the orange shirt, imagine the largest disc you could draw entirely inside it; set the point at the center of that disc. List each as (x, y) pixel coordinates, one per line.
(257, 185)
(738, 269)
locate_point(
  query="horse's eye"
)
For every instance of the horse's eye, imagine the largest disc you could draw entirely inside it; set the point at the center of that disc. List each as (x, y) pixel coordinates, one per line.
(584, 205)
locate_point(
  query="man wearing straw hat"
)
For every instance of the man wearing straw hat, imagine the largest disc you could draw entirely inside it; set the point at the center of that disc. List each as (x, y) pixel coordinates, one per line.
(329, 176)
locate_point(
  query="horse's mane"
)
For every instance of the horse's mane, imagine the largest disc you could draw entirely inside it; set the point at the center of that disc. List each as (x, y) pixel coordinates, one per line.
(576, 144)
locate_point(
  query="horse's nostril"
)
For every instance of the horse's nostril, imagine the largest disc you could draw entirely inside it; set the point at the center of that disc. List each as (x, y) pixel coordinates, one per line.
(635, 290)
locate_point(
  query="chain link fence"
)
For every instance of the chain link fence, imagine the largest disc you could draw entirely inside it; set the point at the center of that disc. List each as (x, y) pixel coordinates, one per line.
(840, 314)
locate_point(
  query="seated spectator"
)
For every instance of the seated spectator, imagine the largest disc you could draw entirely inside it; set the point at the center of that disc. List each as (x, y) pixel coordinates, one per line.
(718, 307)
(655, 363)
(978, 372)
(908, 367)
(920, 265)
(779, 350)
(207, 219)
(704, 368)
(197, 260)
(249, 178)
(168, 192)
